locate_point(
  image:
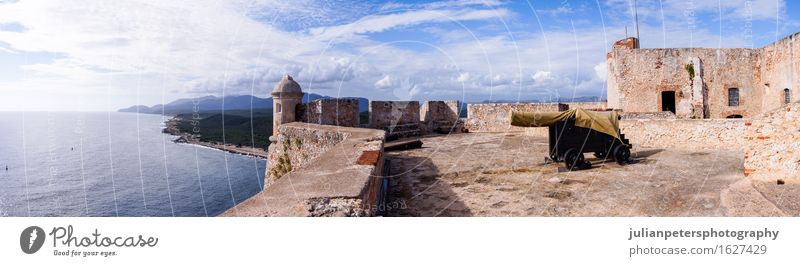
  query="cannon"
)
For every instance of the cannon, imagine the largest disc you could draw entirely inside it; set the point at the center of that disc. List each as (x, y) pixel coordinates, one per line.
(575, 132)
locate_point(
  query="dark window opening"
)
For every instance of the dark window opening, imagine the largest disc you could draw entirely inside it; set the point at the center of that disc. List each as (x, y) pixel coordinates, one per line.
(733, 97)
(668, 101)
(734, 116)
(787, 97)
(279, 108)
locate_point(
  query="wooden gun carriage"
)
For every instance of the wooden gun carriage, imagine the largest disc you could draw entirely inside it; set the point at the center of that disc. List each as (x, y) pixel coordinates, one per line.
(575, 132)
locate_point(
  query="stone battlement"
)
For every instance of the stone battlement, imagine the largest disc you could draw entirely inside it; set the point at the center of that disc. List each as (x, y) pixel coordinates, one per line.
(329, 171)
(330, 111)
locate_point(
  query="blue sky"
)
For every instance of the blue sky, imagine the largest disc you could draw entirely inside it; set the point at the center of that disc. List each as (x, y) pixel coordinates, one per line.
(104, 55)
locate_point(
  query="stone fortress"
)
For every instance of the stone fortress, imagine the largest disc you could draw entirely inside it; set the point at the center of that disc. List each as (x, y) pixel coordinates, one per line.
(677, 108)
(703, 82)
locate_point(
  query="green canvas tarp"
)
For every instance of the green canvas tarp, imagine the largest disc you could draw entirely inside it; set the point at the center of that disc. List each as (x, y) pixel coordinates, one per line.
(605, 122)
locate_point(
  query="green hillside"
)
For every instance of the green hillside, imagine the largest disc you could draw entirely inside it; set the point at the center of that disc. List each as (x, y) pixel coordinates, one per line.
(242, 127)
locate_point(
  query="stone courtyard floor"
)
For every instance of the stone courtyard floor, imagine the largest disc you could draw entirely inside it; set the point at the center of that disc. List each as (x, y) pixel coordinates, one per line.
(504, 174)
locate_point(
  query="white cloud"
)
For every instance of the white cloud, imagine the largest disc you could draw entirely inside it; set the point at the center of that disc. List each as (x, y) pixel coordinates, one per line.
(601, 70)
(463, 77)
(384, 83)
(541, 76)
(379, 23)
(121, 51)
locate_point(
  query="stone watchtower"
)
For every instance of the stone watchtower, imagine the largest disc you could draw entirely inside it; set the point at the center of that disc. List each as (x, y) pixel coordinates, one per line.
(285, 97)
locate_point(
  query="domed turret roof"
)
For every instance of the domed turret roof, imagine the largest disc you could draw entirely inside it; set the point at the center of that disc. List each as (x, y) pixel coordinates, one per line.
(287, 85)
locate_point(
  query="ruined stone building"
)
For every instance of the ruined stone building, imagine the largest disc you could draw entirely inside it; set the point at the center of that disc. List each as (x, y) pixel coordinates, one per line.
(703, 82)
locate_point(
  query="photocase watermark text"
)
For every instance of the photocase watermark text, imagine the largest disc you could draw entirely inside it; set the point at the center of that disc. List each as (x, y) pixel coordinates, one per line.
(64, 236)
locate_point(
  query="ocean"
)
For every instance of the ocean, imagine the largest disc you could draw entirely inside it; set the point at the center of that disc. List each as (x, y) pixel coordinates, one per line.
(114, 164)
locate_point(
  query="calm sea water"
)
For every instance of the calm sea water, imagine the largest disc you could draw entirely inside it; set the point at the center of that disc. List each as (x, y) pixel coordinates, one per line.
(114, 164)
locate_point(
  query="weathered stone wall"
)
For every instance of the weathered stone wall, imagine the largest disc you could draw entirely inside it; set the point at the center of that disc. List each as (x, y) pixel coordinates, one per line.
(641, 75)
(773, 144)
(332, 171)
(636, 78)
(588, 105)
(296, 145)
(494, 117)
(440, 116)
(440, 111)
(386, 114)
(627, 43)
(332, 111)
(780, 69)
(685, 134)
(654, 115)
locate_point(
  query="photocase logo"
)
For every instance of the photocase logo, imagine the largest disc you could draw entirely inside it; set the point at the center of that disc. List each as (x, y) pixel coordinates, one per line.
(31, 239)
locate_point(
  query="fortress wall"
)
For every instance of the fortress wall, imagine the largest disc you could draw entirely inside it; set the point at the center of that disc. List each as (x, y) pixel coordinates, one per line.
(333, 171)
(656, 115)
(732, 68)
(296, 145)
(780, 69)
(440, 111)
(330, 111)
(658, 132)
(440, 115)
(385, 114)
(685, 134)
(638, 76)
(773, 144)
(588, 105)
(494, 117)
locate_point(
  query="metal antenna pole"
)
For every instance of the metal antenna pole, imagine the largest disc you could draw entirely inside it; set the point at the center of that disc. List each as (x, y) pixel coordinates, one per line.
(636, 18)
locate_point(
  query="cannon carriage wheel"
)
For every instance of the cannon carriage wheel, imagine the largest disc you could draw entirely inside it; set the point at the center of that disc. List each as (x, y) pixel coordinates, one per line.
(573, 159)
(621, 154)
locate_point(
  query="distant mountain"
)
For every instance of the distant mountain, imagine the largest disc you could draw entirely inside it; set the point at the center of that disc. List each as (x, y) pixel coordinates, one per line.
(213, 103)
(363, 105)
(135, 108)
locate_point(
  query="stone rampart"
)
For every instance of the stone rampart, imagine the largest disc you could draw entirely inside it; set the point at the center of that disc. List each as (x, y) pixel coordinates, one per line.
(494, 117)
(686, 134)
(773, 144)
(595, 106)
(330, 111)
(390, 114)
(319, 170)
(440, 116)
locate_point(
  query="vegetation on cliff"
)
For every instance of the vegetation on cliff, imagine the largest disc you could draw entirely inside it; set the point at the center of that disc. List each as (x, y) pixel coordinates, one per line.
(243, 128)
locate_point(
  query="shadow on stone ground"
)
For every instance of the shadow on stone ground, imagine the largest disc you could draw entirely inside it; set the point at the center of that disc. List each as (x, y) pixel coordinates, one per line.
(786, 196)
(416, 189)
(496, 174)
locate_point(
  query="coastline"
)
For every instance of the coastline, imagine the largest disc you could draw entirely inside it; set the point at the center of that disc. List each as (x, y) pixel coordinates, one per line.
(171, 127)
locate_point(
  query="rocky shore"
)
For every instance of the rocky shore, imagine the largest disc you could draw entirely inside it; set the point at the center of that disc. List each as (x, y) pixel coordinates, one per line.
(183, 137)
